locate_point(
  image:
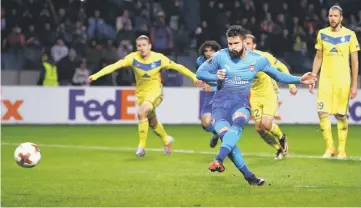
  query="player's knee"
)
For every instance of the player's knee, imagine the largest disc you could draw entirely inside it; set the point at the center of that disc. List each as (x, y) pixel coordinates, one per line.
(340, 117)
(322, 114)
(221, 132)
(240, 119)
(206, 120)
(259, 128)
(142, 112)
(266, 126)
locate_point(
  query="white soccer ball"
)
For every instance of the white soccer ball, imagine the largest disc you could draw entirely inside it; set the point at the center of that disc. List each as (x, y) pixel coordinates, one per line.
(27, 155)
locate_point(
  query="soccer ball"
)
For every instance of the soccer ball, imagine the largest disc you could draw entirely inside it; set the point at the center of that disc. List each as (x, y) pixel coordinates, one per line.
(27, 155)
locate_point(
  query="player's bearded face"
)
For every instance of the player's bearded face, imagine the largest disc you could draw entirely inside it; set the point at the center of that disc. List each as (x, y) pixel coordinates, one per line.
(235, 46)
(334, 18)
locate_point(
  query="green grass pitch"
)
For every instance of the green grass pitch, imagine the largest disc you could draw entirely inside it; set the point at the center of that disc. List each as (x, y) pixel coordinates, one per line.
(96, 166)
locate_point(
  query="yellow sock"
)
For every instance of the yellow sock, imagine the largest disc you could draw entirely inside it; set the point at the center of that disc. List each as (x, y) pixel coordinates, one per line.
(325, 125)
(143, 127)
(160, 131)
(342, 127)
(276, 131)
(270, 139)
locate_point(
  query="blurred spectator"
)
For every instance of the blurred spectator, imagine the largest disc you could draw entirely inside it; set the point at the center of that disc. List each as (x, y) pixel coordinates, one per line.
(66, 68)
(81, 74)
(47, 36)
(123, 22)
(59, 50)
(161, 35)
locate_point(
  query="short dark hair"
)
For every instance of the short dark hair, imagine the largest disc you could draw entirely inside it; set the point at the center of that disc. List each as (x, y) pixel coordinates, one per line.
(336, 6)
(209, 44)
(236, 30)
(251, 37)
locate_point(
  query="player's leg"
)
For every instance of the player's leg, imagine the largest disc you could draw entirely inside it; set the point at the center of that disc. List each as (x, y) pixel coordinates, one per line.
(143, 126)
(160, 131)
(206, 120)
(236, 157)
(269, 110)
(221, 126)
(342, 124)
(324, 102)
(240, 118)
(257, 112)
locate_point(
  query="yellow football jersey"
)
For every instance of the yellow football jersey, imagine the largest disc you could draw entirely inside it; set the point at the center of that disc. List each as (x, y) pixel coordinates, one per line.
(336, 48)
(263, 84)
(147, 72)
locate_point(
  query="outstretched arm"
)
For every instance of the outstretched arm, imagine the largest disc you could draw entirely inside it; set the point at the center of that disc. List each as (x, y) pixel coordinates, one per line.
(112, 67)
(281, 77)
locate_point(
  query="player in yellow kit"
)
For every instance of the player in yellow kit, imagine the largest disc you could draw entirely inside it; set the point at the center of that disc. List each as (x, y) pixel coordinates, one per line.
(264, 102)
(334, 46)
(147, 66)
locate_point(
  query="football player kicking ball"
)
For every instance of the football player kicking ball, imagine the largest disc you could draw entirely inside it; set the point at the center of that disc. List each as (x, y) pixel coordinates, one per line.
(264, 102)
(334, 46)
(234, 69)
(206, 50)
(147, 66)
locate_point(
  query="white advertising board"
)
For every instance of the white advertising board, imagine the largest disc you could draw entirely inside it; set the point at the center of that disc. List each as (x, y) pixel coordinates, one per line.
(111, 105)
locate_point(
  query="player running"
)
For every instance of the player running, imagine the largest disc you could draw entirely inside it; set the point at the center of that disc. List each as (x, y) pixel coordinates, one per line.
(147, 66)
(264, 102)
(334, 46)
(206, 50)
(234, 70)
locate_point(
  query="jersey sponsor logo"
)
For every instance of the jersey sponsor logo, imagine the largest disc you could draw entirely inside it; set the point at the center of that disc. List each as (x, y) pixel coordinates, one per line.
(116, 108)
(236, 81)
(12, 110)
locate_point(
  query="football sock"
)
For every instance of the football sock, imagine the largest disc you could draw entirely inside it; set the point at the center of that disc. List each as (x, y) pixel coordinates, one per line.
(236, 156)
(342, 127)
(160, 131)
(276, 131)
(325, 125)
(143, 127)
(230, 140)
(270, 139)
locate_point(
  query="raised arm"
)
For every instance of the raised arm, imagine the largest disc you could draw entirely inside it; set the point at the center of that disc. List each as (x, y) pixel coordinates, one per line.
(127, 61)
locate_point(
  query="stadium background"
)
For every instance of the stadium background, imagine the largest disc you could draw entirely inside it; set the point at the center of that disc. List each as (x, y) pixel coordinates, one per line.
(93, 165)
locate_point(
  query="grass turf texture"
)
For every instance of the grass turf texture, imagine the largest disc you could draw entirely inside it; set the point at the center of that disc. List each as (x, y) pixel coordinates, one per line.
(81, 173)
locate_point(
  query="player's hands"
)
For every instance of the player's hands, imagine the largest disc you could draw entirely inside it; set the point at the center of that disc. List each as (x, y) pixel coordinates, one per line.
(221, 74)
(91, 78)
(353, 92)
(293, 91)
(199, 83)
(308, 78)
(207, 88)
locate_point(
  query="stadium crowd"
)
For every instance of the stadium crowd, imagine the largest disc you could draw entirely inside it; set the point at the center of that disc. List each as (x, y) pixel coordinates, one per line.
(79, 37)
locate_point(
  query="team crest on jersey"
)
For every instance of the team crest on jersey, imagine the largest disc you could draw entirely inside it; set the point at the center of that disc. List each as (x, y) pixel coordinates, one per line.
(251, 67)
(152, 65)
(343, 39)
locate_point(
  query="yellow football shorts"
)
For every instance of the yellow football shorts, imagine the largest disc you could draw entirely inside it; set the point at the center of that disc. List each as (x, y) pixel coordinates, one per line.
(333, 98)
(263, 105)
(153, 97)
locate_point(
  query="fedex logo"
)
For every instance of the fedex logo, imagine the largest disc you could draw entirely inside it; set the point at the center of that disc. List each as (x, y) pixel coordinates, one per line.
(93, 109)
(12, 110)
